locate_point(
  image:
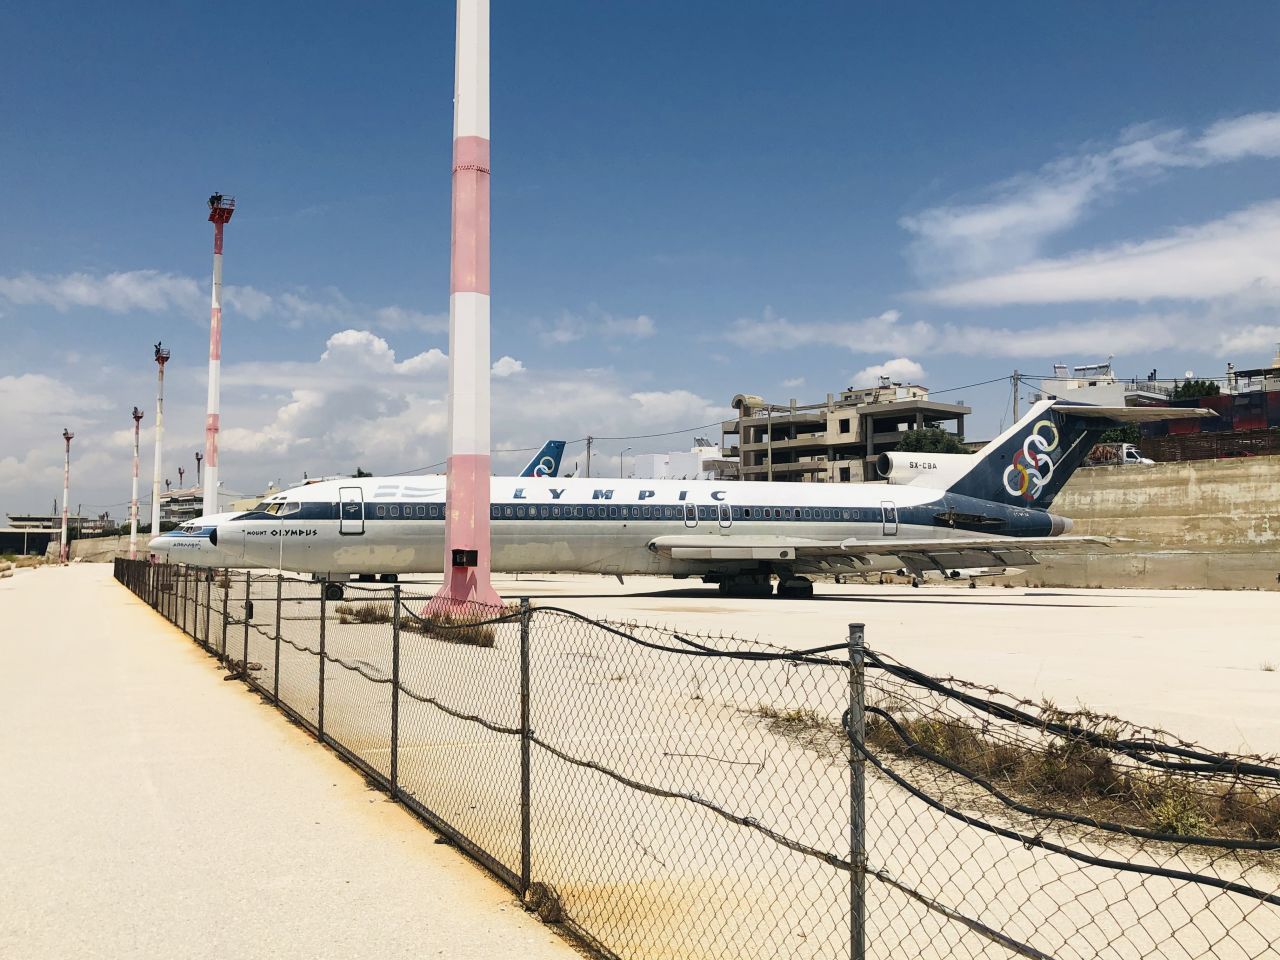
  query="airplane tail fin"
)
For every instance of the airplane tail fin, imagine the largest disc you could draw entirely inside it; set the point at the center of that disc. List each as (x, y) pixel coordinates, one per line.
(546, 462)
(1030, 462)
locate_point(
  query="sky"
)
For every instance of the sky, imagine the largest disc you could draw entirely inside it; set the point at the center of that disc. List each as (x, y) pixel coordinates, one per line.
(690, 201)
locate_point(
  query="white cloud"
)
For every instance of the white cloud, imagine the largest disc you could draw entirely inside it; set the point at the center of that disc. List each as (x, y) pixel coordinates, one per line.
(1011, 227)
(793, 382)
(147, 290)
(1235, 256)
(899, 370)
(154, 291)
(507, 366)
(569, 327)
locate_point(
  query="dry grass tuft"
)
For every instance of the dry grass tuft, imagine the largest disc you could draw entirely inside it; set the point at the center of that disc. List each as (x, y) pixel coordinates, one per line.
(468, 629)
(363, 612)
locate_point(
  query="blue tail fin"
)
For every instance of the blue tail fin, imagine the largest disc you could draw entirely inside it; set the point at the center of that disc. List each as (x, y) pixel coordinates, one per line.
(1030, 462)
(546, 462)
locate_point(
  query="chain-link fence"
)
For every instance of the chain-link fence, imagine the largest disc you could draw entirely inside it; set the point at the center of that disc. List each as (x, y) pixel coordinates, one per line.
(665, 795)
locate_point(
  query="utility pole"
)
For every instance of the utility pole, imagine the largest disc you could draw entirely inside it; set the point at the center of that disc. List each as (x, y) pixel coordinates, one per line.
(468, 558)
(589, 442)
(220, 210)
(133, 502)
(65, 551)
(162, 357)
(622, 462)
(1017, 389)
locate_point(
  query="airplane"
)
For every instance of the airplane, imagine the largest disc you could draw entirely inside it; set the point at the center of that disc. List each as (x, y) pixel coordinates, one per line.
(189, 542)
(937, 512)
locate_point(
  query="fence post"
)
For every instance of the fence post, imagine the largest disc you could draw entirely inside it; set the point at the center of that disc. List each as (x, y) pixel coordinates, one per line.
(395, 691)
(526, 847)
(324, 618)
(183, 622)
(226, 596)
(208, 615)
(275, 670)
(857, 794)
(248, 605)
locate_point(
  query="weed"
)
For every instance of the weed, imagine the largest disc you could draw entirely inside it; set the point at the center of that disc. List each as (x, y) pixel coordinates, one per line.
(363, 612)
(1268, 665)
(469, 629)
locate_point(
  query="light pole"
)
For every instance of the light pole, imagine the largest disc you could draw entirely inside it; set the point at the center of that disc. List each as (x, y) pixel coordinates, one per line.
(622, 462)
(162, 357)
(65, 551)
(133, 503)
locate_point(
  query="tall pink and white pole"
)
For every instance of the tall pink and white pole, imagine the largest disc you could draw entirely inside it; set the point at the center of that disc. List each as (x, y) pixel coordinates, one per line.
(133, 502)
(220, 210)
(467, 558)
(64, 551)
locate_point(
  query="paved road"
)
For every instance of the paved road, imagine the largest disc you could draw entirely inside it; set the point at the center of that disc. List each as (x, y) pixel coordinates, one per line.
(149, 810)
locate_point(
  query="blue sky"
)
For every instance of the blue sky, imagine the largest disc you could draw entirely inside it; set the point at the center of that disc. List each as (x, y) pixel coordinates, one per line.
(689, 201)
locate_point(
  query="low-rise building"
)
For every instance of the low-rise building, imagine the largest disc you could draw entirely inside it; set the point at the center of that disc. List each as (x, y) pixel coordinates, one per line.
(704, 461)
(1097, 384)
(835, 441)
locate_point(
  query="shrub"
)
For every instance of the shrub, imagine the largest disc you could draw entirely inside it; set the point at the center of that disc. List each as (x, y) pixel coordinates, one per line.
(363, 612)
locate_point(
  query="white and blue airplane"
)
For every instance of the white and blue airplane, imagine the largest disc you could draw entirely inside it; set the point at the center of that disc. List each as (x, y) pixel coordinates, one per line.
(937, 512)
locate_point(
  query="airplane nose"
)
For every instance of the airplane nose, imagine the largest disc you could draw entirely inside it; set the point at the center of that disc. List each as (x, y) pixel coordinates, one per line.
(158, 545)
(1059, 525)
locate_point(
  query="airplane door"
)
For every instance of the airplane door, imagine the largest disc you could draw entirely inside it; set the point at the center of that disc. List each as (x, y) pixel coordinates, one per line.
(889, 516)
(725, 516)
(690, 515)
(350, 511)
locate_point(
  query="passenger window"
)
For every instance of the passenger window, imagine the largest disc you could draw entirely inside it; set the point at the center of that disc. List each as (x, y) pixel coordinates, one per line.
(520, 512)
(394, 510)
(545, 512)
(382, 510)
(577, 513)
(495, 512)
(506, 512)
(555, 511)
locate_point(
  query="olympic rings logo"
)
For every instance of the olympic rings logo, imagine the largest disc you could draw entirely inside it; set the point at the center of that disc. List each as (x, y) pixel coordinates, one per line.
(1031, 469)
(545, 466)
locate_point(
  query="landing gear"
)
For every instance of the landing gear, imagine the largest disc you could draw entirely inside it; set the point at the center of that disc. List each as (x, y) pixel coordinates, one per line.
(747, 585)
(389, 578)
(795, 588)
(333, 591)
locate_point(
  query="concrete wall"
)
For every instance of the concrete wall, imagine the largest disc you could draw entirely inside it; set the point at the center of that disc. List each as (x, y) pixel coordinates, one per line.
(1204, 523)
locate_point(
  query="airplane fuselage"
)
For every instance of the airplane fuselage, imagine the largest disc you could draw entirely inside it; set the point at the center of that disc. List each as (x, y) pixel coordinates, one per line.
(382, 526)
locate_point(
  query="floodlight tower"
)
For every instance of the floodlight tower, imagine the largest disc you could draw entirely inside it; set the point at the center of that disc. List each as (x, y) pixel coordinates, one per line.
(199, 457)
(162, 357)
(220, 210)
(65, 551)
(133, 503)
(467, 560)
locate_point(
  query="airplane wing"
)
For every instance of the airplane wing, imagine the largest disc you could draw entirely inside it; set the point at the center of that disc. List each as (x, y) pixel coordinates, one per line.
(950, 553)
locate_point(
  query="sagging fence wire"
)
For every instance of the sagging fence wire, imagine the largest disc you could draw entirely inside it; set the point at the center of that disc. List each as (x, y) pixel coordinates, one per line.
(666, 794)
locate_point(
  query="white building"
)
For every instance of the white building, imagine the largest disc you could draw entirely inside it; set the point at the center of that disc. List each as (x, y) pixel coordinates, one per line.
(704, 461)
(1096, 383)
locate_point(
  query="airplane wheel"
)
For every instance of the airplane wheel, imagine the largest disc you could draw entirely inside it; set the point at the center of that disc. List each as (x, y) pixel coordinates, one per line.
(390, 578)
(798, 589)
(915, 581)
(333, 591)
(973, 584)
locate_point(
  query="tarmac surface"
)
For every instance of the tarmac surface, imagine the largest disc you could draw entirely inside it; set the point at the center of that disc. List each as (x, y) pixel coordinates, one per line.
(1194, 662)
(149, 810)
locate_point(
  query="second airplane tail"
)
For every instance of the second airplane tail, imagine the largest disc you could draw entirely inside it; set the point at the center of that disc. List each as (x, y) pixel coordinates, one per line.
(546, 462)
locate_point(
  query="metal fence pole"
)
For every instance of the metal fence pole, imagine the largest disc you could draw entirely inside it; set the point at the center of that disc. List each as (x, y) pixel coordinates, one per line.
(248, 605)
(185, 572)
(395, 691)
(857, 794)
(526, 848)
(275, 670)
(225, 584)
(324, 615)
(208, 614)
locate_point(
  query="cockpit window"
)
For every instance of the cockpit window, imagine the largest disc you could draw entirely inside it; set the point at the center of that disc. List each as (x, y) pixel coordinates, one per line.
(291, 507)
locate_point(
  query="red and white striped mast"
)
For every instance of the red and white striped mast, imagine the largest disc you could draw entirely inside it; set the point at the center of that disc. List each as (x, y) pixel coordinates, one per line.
(467, 558)
(133, 502)
(220, 210)
(64, 553)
